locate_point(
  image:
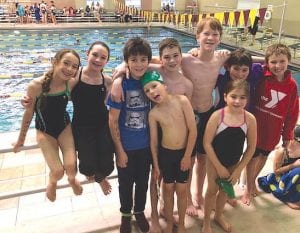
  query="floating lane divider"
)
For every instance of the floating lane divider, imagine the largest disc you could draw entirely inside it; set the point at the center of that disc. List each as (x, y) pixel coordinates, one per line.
(28, 75)
(12, 95)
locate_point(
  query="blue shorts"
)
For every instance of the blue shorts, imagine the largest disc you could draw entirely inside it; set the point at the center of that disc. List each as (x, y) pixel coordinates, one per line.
(169, 164)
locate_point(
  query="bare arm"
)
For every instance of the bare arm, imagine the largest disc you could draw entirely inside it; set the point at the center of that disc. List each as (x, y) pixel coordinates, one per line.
(155, 60)
(73, 81)
(192, 132)
(251, 145)
(122, 158)
(189, 88)
(116, 91)
(209, 134)
(108, 82)
(153, 124)
(278, 161)
(27, 116)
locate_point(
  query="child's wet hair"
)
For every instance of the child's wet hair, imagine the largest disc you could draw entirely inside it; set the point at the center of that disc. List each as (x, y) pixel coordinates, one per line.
(237, 84)
(168, 43)
(278, 49)
(102, 44)
(137, 46)
(213, 23)
(239, 57)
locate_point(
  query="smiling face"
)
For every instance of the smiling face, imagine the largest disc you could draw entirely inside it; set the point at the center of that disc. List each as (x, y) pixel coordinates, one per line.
(171, 58)
(67, 66)
(208, 39)
(97, 57)
(137, 65)
(238, 72)
(236, 99)
(278, 64)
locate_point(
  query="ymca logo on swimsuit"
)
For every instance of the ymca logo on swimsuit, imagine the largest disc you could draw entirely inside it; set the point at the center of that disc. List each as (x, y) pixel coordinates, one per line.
(276, 96)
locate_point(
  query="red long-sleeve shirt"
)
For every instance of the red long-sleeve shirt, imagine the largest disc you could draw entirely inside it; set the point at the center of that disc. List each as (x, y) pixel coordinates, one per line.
(276, 109)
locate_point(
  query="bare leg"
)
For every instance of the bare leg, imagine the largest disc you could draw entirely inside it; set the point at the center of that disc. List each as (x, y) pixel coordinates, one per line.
(169, 205)
(261, 161)
(200, 177)
(90, 178)
(191, 209)
(210, 197)
(219, 216)
(155, 227)
(246, 198)
(105, 186)
(51, 191)
(49, 147)
(181, 191)
(232, 202)
(66, 144)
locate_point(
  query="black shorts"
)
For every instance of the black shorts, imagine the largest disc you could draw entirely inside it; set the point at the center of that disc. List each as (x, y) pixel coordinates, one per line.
(253, 30)
(95, 151)
(169, 164)
(260, 152)
(201, 119)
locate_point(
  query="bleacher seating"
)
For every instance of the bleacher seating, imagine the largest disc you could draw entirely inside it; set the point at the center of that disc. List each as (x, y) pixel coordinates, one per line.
(107, 17)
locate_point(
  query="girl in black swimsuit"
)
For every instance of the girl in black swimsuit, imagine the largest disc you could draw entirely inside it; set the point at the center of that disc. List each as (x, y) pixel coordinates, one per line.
(50, 93)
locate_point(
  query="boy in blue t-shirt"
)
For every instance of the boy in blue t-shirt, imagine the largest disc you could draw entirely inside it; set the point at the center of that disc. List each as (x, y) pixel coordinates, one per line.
(128, 122)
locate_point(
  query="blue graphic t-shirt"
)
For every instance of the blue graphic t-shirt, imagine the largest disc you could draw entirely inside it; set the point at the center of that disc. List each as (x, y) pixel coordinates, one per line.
(133, 119)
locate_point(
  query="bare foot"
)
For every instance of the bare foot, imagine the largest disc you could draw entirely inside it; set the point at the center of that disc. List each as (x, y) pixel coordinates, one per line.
(76, 186)
(221, 221)
(51, 192)
(200, 202)
(295, 206)
(206, 228)
(246, 199)
(162, 215)
(181, 229)
(255, 192)
(169, 228)
(191, 210)
(105, 186)
(90, 178)
(232, 202)
(154, 226)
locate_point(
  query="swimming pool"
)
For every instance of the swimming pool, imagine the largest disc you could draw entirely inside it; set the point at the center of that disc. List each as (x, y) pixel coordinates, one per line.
(26, 54)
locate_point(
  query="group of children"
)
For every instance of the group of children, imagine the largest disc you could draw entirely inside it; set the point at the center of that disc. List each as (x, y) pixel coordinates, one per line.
(166, 116)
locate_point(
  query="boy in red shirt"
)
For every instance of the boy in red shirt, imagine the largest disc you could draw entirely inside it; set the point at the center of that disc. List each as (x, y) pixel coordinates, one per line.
(276, 111)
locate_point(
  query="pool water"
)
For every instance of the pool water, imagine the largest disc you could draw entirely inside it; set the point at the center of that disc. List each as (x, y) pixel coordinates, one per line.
(26, 54)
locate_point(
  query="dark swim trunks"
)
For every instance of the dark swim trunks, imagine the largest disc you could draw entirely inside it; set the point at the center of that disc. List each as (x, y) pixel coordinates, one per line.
(169, 164)
(201, 119)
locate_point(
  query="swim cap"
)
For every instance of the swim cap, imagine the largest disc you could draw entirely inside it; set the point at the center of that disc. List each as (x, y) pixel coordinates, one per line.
(150, 76)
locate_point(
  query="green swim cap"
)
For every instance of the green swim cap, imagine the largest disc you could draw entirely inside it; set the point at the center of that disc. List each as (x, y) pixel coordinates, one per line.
(150, 76)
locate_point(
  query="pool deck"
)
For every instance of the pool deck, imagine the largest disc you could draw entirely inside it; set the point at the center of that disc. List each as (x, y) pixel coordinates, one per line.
(25, 209)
